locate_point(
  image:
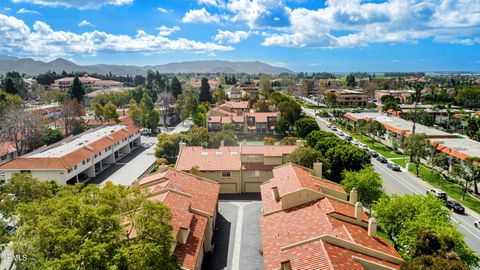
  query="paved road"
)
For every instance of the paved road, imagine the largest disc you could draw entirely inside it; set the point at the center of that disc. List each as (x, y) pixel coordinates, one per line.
(406, 183)
(237, 236)
(128, 169)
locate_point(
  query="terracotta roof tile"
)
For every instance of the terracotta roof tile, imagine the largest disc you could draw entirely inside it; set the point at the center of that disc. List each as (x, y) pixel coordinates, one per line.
(268, 150)
(221, 159)
(261, 117)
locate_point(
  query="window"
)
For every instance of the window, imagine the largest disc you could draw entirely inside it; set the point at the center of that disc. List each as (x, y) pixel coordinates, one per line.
(256, 173)
(75, 167)
(69, 170)
(96, 155)
(88, 159)
(83, 162)
(226, 175)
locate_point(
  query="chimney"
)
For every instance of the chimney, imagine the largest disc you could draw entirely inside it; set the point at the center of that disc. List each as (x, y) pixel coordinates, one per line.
(162, 168)
(222, 143)
(181, 145)
(372, 227)
(299, 143)
(358, 211)
(317, 169)
(276, 195)
(353, 196)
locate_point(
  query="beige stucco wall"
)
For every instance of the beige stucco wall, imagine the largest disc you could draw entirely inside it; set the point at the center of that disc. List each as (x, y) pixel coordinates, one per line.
(252, 158)
(235, 178)
(299, 197)
(273, 160)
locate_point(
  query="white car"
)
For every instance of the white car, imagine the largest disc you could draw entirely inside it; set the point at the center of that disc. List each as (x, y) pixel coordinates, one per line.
(477, 223)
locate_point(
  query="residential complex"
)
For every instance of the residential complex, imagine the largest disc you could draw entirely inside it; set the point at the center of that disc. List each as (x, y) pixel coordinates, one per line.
(310, 223)
(193, 202)
(400, 96)
(7, 152)
(91, 83)
(238, 169)
(77, 158)
(245, 121)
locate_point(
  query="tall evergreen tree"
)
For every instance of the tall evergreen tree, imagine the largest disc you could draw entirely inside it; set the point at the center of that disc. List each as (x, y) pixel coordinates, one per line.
(176, 87)
(10, 86)
(76, 90)
(205, 94)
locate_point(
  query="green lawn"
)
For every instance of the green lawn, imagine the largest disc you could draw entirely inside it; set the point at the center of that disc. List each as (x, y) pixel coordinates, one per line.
(380, 148)
(453, 190)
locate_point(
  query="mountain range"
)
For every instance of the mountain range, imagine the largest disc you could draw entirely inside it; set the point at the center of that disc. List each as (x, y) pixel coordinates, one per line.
(33, 67)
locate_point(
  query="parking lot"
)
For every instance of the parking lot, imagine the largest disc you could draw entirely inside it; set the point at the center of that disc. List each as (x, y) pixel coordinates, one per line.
(237, 236)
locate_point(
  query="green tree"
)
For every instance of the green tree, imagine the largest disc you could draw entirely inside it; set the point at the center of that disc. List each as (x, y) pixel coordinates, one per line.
(289, 110)
(205, 94)
(402, 217)
(220, 96)
(366, 181)
(361, 127)
(387, 98)
(304, 126)
(188, 103)
(71, 227)
(147, 107)
(350, 79)
(110, 112)
(282, 126)
(265, 86)
(306, 156)
(315, 136)
(135, 112)
(330, 99)
(77, 91)
(199, 118)
(375, 129)
(469, 97)
(344, 156)
(176, 87)
(53, 135)
(227, 136)
(10, 86)
(416, 147)
(390, 105)
(168, 146)
(98, 112)
(199, 136)
(261, 106)
(153, 118)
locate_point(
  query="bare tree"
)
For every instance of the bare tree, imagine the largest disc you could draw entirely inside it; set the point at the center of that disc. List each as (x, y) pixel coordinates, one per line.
(71, 116)
(165, 102)
(25, 129)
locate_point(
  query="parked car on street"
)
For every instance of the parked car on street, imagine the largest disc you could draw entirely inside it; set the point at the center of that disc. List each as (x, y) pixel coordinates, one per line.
(393, 167)
(348, 138)
(374, 154)
(477, 223)
(365, 147)
(455, 206)
(438, 193)
(382, 159)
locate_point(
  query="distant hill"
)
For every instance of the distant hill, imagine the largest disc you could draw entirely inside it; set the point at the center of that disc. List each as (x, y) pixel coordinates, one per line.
(33, 67)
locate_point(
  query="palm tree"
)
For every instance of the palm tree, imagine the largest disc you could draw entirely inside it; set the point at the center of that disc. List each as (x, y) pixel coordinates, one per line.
(418, 90)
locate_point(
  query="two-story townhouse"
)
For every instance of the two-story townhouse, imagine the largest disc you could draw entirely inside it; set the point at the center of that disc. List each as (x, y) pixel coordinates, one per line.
(311, 223)
(193, 201)
(238, 169)
(77, 158)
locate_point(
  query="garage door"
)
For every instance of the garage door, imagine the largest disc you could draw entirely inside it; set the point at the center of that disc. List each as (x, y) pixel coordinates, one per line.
(228, 188)
(252, 187)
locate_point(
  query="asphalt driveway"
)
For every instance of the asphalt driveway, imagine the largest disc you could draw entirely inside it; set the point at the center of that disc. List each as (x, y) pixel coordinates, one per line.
(237, 236)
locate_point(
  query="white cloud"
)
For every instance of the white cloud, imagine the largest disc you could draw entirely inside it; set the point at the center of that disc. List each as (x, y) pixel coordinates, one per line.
(200, 16)
(351, 23)
(42, 42)
(162, 10)
(260, 13)
(86, 23)
(230, 37)
(27, 11)
(79, 4)
(7, 9)
(214, 3)
(167, 31)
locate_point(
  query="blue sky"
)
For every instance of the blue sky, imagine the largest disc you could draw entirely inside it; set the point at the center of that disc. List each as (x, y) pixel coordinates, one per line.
(303, 35)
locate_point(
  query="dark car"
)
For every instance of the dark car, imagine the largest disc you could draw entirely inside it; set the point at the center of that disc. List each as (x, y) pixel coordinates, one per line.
(374, 154)
(455, 206)
(382, 159)
(438, 193)
(348, 138)
(394, 167)
(10, 229)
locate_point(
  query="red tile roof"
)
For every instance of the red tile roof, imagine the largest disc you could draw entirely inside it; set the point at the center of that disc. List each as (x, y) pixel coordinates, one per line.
(303, 234)
(7, 147)
(236, 105)
(204, 193)
(268, 150)
(261, 117)
(182, 192)
(221, 159)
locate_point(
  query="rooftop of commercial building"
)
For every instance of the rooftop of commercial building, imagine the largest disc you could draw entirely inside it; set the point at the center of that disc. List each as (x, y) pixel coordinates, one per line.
(398, 125)
(461, 148)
